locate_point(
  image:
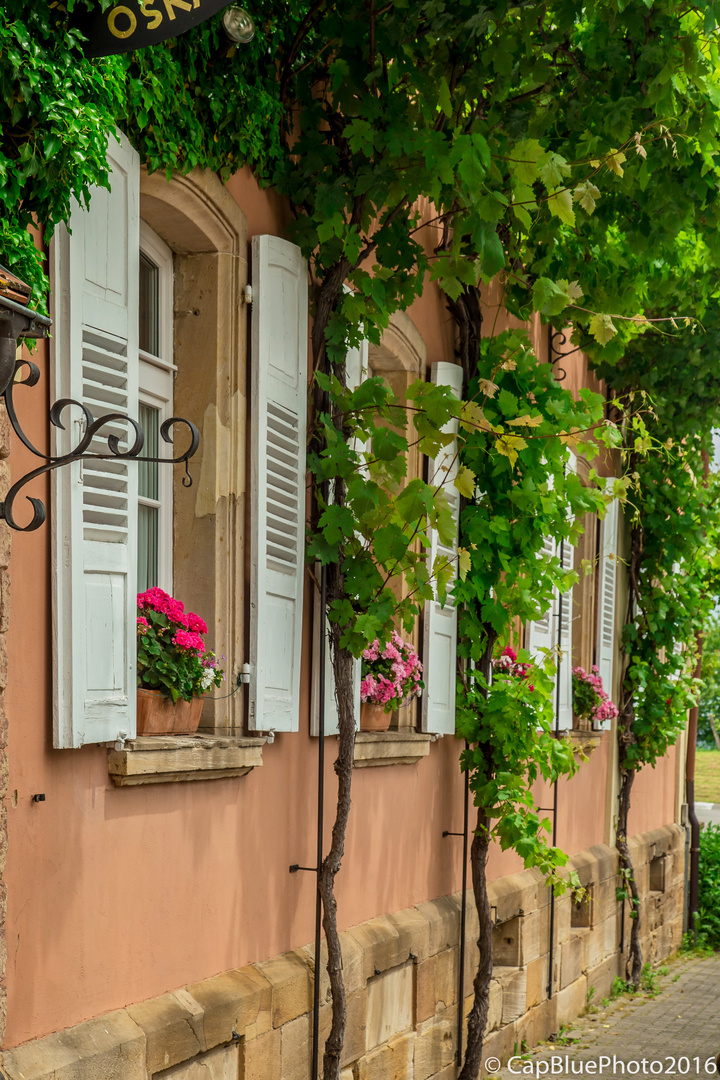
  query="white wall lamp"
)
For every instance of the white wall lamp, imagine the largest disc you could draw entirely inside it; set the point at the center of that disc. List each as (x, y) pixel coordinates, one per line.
(238, 25)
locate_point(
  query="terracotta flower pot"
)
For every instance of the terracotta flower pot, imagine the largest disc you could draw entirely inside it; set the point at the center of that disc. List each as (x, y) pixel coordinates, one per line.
(373, 717)
(156, 714)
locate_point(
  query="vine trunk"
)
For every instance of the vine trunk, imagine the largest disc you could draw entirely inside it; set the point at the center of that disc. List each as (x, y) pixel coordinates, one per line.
(342, 662)
(477, 1018)
(343, 667)
(626, 738)
(634, 963)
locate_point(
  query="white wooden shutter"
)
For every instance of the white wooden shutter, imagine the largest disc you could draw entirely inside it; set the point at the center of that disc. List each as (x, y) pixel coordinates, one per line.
(542, 633)
(607, 588)
(277, 540)
(94, 505)
(565, 660)
(440, 623)
(356, 368)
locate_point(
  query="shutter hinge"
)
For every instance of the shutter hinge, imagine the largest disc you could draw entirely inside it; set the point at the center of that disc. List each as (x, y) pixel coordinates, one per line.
(244, 674)
(248, 294)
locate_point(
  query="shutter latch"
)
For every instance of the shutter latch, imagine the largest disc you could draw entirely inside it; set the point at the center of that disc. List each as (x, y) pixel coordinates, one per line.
(244, 674)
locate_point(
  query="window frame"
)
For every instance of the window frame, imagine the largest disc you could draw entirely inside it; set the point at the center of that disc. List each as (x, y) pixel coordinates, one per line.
(156, 385)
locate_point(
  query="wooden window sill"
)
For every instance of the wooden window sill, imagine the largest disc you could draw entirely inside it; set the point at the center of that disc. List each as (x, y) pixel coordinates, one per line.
(390, 748)
(163, 759)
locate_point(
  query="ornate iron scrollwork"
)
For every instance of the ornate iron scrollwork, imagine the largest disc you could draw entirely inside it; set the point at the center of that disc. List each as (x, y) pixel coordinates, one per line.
(80, 452)
(556, 341)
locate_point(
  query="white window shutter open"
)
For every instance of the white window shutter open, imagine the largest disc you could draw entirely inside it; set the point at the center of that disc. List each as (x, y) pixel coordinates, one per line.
(356, 369)
(94, 504)
(277, 535)
(440, 623)
(565, 660)
(607, 588)
(542, 633)
(332, 726)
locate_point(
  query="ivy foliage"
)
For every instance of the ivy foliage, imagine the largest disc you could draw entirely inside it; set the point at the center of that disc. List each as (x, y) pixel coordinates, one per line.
(373, 518)
(191, 101)
(673, 565)
(519, 501)
(709, 714)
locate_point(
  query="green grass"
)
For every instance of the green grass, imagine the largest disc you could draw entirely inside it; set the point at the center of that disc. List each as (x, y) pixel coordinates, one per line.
(707, 776)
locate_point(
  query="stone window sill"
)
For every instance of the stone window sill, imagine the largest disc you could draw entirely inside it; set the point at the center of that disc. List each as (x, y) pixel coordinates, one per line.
(585, 741)
(162, 759)
(390, 748)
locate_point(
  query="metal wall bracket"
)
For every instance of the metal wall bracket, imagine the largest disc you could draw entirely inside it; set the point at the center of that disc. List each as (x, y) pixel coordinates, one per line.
(556, 341)
(80, 452)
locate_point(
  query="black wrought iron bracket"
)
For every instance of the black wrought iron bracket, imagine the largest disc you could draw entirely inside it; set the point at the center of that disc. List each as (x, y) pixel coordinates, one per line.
(556, 341)
(80, 452)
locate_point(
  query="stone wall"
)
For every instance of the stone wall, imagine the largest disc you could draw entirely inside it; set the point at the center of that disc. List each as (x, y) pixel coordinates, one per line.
(401, 976)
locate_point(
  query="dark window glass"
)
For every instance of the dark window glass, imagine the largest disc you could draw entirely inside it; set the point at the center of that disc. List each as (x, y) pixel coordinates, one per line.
(148, 489)
(149, 312)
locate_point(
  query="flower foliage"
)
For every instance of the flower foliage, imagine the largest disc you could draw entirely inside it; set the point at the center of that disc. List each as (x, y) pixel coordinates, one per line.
(171, 651)
(391, 673)
(507, 664)
(590, 701)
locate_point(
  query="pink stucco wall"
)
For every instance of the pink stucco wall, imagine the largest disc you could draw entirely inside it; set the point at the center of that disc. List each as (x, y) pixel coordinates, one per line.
(652, 801)
(117, 895)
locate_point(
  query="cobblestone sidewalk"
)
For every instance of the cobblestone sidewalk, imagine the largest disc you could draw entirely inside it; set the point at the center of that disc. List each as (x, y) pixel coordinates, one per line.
(674, 1034)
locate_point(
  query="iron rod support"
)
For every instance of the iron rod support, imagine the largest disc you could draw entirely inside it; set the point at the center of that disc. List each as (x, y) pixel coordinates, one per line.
(463, 913)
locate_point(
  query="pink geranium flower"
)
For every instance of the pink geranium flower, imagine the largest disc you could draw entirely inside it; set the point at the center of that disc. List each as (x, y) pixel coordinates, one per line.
(391, 673)
(181, 665)
(590, 699)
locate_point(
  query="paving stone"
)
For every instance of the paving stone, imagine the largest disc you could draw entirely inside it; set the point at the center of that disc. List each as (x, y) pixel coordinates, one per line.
(681, 1022)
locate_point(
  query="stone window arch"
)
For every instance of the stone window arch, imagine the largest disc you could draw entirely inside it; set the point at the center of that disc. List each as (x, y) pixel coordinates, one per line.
(207, 231)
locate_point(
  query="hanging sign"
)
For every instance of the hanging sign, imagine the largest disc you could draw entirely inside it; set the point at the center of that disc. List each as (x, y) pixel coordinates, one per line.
(135, 24)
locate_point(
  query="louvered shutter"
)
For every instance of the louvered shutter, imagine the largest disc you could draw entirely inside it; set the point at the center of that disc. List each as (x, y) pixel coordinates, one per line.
(565, 660)
(278, 418)
(356, 367)
(94, 505)
(607, 588)
(440, 623)
(542, 632)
